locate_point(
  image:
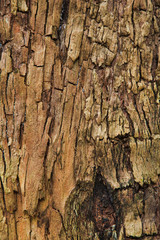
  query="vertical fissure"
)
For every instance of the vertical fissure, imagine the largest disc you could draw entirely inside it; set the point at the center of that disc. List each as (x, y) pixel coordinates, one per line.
(104, 215)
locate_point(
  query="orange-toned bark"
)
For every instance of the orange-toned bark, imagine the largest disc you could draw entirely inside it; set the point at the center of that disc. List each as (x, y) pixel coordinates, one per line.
(79, 119)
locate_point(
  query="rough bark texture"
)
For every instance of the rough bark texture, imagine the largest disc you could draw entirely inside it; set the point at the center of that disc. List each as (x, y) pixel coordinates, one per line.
(79, 119)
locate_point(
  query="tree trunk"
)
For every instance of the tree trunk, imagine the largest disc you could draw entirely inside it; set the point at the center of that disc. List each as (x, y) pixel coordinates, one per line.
(79, 119)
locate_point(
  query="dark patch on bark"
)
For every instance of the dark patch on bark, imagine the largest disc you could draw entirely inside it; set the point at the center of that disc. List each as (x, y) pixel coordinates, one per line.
(1, 49)
(21, 134)
(62, 30)
(103, 211)
(65, 10)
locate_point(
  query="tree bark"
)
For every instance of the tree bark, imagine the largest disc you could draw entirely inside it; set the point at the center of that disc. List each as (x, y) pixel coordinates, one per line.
(79, 119)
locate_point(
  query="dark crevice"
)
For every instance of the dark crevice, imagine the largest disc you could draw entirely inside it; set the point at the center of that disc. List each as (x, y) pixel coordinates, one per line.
(140, 74)
(46, 153)
(28, 58)
(131, 125)
(3, 193)
(114, 155)
(47, 10)
(29, 11)
(76, 144)
(62, 46)
(103, 212)
(74, 84)
(21, 134)
(62, 220)
(64, 12)
(154, 68)
(147, 122)
(60, 128)
(62, 30)
(132, 19)
(135, 105)
(1, 49)
(58, 89)
(51, 127)
(154, 62)
(26, 176)
(36, 14)
(7, 87)
(4, 162)
(73, 106)
(7, 137)
(122, 137)
(45, 124)
(43, 220)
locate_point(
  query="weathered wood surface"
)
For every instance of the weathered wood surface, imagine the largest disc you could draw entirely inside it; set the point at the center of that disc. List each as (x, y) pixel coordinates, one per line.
(79, 119)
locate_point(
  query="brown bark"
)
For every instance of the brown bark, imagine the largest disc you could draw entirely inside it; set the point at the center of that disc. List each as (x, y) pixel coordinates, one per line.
(80, 119)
